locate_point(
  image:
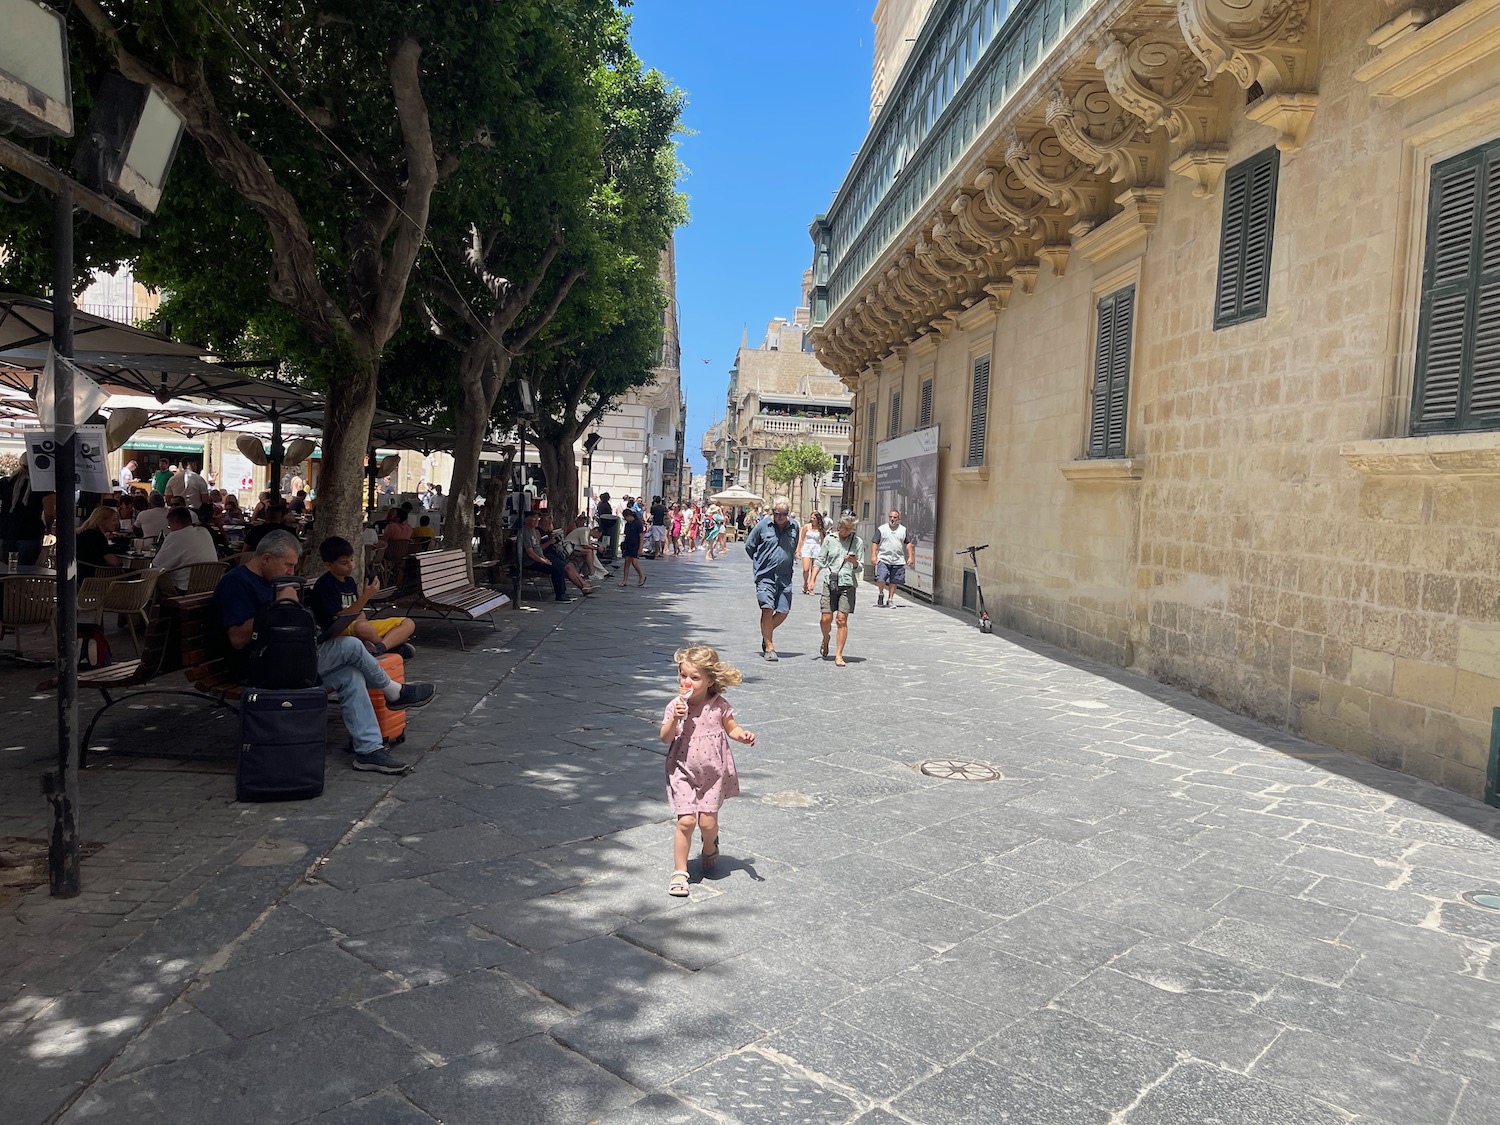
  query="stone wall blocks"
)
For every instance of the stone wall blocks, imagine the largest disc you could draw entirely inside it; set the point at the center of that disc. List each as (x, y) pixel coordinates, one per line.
(1475, 695)
(1372, 670)
(1430, 685)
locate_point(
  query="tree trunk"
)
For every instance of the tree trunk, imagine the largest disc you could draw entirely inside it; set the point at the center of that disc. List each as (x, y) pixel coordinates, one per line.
(346, 430)
(556, 457)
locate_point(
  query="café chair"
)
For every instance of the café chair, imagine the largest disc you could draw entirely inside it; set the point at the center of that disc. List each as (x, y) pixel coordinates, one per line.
(28, 599)
(204, 576)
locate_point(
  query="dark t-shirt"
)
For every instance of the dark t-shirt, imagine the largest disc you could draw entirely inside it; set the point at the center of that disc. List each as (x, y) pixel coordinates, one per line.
(92, 546)
(27, 524)
(659, 515)
(256, 532)
(331, 596)
(237, 597)
(603, 509)
(632, 546)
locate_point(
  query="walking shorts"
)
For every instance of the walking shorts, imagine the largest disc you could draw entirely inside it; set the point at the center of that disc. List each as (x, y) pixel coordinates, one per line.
(838, 599)
(774, 595)
(892, 573)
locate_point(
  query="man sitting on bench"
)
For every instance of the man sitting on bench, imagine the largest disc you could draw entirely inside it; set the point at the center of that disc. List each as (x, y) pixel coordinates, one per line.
(533, 544)
(343, 663)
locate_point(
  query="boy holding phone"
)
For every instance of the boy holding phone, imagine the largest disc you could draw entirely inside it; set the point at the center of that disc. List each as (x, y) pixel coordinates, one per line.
(338, 605)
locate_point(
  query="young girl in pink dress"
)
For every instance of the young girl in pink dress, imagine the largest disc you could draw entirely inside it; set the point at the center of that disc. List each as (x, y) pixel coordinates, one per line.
(697, 727)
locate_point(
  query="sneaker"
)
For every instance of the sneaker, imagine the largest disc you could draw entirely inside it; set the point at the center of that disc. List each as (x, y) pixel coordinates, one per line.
(879, 603)
(413, 695)
(405, 651)
(380, 761)
(565, 598)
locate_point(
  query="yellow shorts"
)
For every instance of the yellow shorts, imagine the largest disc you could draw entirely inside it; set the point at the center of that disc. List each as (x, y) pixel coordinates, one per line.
(381, 625)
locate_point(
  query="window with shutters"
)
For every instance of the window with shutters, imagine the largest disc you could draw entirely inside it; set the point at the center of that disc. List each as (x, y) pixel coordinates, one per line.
(1457, 383)
(870, 438)
(924, 405)
(979, 411)
(1245, 241)
(895, 424)
(1113, 330)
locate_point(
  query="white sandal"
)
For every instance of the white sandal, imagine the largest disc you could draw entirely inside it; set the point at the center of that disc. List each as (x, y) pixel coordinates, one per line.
(678, 887)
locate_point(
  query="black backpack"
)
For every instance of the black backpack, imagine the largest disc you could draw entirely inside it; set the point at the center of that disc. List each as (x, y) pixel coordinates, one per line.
(283, 649)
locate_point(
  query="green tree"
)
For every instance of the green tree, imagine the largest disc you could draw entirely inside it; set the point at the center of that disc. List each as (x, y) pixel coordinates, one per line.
(568, 262)
(792, 464)
(324, 132)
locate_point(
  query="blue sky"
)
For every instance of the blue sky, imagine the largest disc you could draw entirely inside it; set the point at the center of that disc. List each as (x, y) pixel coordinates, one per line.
(779, 99)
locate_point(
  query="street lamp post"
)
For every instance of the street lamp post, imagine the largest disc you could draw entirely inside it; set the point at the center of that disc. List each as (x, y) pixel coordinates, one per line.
(129, 144)
(523, 404)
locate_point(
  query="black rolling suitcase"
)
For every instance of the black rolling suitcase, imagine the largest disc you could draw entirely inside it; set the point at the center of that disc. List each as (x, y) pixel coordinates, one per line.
(283, 736)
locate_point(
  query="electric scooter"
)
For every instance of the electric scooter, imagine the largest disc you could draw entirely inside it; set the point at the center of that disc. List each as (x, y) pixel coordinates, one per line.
(985, 624)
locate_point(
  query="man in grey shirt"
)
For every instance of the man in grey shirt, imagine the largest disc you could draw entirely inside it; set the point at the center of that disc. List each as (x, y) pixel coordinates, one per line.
(891, 552)
(772, 547)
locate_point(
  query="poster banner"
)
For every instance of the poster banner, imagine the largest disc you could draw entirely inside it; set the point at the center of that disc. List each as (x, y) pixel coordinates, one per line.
(91, 474)
(906, 481)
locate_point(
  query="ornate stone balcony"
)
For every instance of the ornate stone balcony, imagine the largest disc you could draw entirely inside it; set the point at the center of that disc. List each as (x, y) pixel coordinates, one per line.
(1022, 131)
(812, 427)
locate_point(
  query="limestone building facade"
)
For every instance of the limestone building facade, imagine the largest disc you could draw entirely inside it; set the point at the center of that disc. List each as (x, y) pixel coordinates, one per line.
(640, 450)
(1205, 298)
(780, 394)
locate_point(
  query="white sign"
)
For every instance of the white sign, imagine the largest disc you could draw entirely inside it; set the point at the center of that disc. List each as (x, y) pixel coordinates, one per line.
(90, 473)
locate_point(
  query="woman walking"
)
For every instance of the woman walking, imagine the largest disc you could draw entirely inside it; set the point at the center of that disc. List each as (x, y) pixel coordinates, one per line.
(674, 530)
(715, 533)
(838, 560)
(807, 549)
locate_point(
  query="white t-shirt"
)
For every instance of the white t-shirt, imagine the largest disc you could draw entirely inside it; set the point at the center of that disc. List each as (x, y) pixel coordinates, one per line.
(183, 548)
(151, 523)
(890, 544)
(189, 485)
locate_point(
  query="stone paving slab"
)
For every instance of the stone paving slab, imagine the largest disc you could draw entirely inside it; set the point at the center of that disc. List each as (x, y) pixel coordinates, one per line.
(1162, 913)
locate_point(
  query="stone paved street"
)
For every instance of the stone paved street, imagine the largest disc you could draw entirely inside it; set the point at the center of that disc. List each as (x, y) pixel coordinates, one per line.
(1160, 913)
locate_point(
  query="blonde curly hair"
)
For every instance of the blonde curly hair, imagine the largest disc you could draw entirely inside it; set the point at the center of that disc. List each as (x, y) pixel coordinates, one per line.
(705, 658)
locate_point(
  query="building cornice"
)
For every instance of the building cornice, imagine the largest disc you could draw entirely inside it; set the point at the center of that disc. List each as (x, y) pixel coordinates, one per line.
(1073, 163)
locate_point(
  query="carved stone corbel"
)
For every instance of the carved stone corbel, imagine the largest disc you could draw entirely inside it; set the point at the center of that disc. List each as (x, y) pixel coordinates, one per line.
(1270, 42)
(990, 234)
(1000, 292)
(1157, 77)
(1042, 163)
(1009, 199)
(1025, 275)
(1099, 131)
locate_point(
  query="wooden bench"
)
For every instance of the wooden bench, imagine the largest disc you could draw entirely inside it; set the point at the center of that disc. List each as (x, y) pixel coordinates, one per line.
(178, 638)
(439, 581)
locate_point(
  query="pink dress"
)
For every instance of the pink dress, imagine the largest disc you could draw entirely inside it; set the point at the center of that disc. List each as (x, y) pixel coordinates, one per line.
(700, 768)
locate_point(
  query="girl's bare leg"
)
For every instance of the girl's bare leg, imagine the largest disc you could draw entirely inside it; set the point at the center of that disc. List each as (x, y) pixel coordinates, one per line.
(682, 841)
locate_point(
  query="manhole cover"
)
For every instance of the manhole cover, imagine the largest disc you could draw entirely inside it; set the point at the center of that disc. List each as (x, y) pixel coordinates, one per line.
(789, 799)
(1485, 900)
(950, 770)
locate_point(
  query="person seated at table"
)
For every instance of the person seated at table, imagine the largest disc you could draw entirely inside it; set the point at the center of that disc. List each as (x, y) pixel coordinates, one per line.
(152, 521)
(126, 508)
(298, 503)
(205, 516)
(93, 546)
(186, 543)
(337, 592)
(344, 665)
(397, 528)
(424, 529)
(232, 511)
(259, 510)
(275, 516)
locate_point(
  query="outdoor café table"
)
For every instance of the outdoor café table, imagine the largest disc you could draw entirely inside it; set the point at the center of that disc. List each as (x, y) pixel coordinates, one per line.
(39, 571)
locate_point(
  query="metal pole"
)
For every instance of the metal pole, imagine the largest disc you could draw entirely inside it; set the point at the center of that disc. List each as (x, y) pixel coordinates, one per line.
(370, 470)
(275, 454)
(61, 785)
(520, 515)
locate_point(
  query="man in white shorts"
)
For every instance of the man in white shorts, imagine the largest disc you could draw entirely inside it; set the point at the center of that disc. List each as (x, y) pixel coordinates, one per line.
(891, 552)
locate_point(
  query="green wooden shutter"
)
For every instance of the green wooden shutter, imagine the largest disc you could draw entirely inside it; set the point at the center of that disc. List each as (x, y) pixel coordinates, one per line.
(1111, 385)
(895, 424)
(924, 405)
(979, 408)
(1243, 289)
(870, 438)
(1457, 384)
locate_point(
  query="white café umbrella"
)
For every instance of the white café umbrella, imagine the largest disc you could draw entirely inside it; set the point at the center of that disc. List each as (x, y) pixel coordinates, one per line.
(735, 494)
